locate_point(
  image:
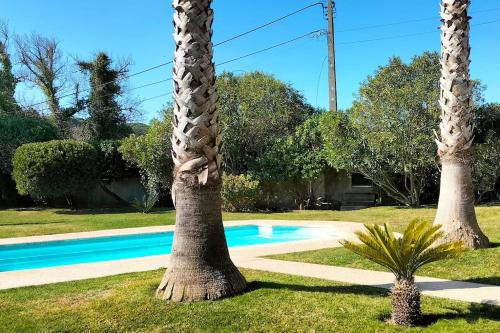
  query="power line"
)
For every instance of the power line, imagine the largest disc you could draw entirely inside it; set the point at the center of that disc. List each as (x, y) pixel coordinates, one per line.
(409, 21)
(217, 44)
(271, 22)
(309, 34)
(407, 35)
(276, 21)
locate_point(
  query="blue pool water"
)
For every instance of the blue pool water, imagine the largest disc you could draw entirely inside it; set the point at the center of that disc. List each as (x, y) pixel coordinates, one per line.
(68, 252)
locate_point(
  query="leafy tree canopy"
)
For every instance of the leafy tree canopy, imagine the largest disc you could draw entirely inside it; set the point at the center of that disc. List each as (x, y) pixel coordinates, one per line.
(151, 153)
(388, 133)
(255, 110)
(486, 167)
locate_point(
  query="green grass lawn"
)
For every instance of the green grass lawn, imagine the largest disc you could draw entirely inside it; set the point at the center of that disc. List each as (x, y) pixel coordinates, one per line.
(480, 266)
(476, 266)
(16, 223)
(274, 302)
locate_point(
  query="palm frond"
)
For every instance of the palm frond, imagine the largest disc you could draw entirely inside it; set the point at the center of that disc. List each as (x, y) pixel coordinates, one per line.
(403, 255)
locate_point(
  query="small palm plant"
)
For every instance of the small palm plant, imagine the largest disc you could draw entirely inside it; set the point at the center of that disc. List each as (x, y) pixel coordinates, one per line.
(403, 256)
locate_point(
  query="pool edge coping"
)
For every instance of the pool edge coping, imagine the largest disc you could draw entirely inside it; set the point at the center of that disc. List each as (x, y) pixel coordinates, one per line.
(163, 228)
(57, 274)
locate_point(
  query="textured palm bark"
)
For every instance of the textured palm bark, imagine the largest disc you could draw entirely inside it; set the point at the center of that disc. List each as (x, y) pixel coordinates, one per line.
(200, 267)
(456, 200)
(405, 303)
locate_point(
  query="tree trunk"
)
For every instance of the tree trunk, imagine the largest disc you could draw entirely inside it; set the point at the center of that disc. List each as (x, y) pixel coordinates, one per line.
(456, 204)
(456, 201)
(405, 303)
(200, 267)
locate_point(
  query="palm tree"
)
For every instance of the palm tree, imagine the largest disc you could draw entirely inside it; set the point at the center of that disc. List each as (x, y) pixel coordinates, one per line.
(456, 198)
(200, 267)
(403, 256)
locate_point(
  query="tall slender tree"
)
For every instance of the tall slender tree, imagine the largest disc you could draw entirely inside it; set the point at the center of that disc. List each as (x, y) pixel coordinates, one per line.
(45, 66)
(456, 198)
(106, 118)
(200, 267)
(8, 81)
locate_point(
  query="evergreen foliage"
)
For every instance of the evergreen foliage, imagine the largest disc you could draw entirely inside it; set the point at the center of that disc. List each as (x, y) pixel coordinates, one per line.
(8, 82)
(58, 168)
(419, 245)
(106, 117)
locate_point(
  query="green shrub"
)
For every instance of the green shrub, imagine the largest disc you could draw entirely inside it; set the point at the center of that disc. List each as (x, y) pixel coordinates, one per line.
(111, 164)
(420, 244)
(16, 131)
(239, 193)
(151, 154)
(55, 169)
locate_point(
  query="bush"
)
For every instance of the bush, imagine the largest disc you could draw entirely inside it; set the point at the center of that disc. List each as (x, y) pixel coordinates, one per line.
(151, 154)
(16, 131)
(239, 193)
(111, 164)
(55, 169)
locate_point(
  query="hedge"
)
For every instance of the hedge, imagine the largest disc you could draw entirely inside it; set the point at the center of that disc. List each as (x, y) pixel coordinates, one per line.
(57, 168)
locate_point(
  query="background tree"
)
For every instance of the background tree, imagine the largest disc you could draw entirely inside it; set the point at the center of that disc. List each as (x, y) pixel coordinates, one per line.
(106, 117)
(44, 65)
(199, 267)
(8, 82)
(240, 193)
(456, 198)
(297, 159)
(387, 134)
(151, 153)
(112, 167)
(255, 110)
(486, 167)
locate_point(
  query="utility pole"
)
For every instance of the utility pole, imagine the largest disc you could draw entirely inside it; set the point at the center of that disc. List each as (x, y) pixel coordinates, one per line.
(332, 79)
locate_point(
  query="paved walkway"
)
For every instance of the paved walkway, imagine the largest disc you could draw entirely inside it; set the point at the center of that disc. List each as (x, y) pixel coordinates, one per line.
(456, 290)
(250, 257)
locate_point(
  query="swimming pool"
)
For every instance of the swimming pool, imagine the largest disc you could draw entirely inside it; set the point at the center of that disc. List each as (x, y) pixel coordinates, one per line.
(87, 250)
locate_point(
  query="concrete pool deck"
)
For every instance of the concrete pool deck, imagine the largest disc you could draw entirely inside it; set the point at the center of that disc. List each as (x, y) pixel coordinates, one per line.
(249, 257)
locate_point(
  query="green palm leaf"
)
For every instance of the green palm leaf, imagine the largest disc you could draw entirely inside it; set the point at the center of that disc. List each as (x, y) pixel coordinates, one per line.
(403, 255)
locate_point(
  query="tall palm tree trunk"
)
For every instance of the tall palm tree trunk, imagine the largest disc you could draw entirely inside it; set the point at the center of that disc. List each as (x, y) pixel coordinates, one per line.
(456, 198)
(200, 267)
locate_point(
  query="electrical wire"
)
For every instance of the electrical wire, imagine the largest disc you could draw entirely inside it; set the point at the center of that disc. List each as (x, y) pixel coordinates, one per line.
(408, 21)
(319, 3)
(309, 34)
(406, 35)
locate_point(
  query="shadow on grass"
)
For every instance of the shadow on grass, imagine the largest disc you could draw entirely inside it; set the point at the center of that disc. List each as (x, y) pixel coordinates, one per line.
(29, 223)
(471, 315)
(492, 280)
(29, 209)
(110, 211)
(361, 290)
(415, 208)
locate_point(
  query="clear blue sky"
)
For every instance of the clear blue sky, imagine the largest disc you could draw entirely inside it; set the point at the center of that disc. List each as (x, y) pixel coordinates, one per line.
(142, 30)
